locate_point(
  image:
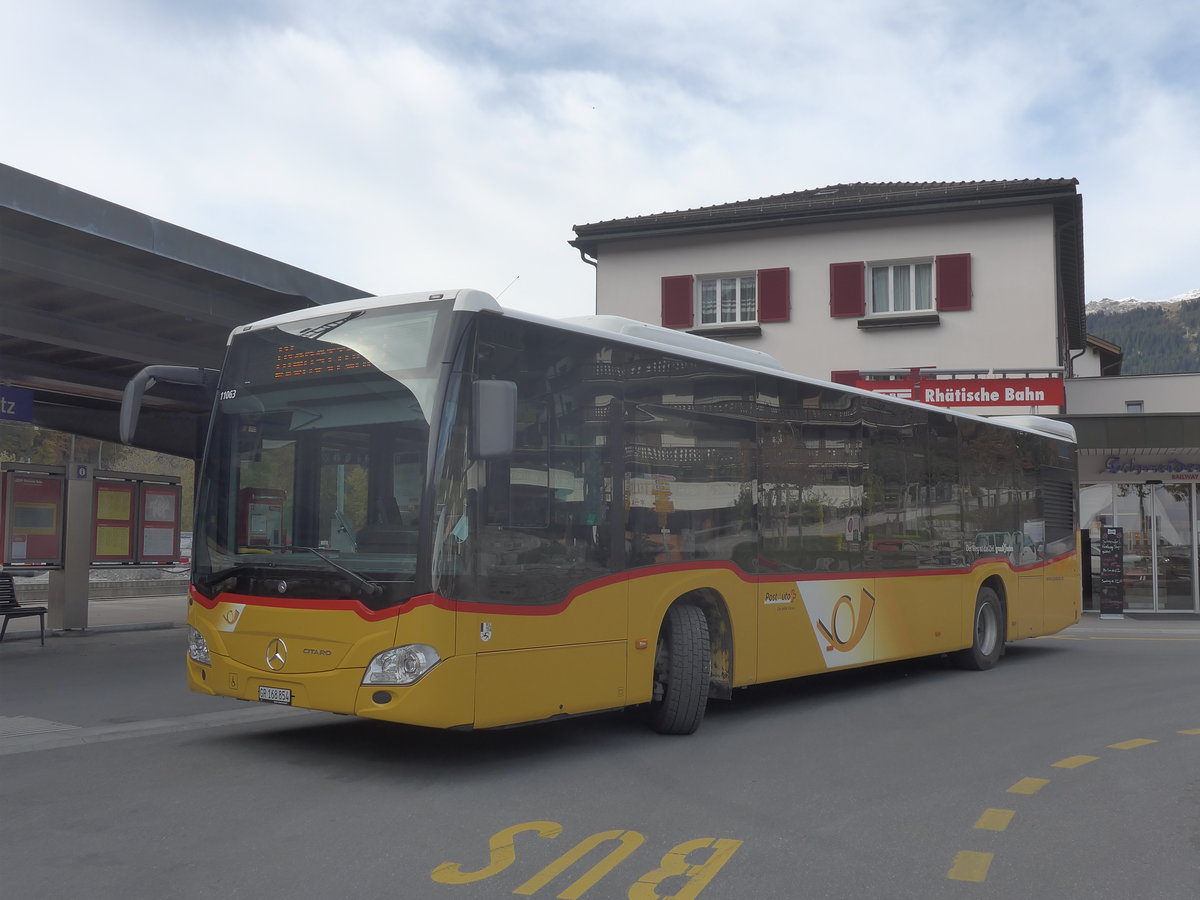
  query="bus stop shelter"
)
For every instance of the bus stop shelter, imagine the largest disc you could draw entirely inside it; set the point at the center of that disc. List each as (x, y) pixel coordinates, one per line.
(90, 293)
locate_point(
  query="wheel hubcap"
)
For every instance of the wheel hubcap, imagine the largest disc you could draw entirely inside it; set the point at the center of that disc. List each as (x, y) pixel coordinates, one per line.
(986, 629)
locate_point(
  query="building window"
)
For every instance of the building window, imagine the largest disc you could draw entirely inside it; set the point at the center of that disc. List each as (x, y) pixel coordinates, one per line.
(736, 300)
(901, 287)
(728, 299)
(916, 290)
(1135, 406)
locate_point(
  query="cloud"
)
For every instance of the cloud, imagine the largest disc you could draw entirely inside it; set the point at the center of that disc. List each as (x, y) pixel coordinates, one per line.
(402, 145)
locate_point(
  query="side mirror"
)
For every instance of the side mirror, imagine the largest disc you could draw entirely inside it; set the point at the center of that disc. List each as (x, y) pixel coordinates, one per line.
(204, 380)
(493, 419)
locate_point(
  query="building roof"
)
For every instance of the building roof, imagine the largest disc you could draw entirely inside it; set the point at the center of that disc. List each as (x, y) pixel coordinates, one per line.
(848, 202)
(834, 201)
(1110, 354)
(91, 292)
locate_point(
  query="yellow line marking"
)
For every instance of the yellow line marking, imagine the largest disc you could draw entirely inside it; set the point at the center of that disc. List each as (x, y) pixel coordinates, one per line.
(1191, 731)
(1131, 745)
(1074, 762)
(995, 819)
(1029, 785)
(970, 865)
(1098, 637)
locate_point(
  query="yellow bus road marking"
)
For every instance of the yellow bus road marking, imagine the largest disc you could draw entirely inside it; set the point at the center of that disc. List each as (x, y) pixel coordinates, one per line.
(696, 861)
(1131, 745)
(1059, 637)
(502, 853)
(1029, 785)
(970, 865)
(1074, 762)
(676, 863)
(995, 819)
(629, 841)
(1103, 637)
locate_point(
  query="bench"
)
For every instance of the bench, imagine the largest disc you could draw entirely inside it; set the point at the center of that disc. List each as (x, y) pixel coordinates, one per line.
(11, 609)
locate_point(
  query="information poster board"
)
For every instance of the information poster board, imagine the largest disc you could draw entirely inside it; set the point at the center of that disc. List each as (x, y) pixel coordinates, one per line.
(260, 517)
(33, 507)
(1112, 572)
(158, 531)
(115, 521)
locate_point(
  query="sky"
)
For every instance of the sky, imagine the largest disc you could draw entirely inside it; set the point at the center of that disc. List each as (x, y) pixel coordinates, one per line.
(406, 146)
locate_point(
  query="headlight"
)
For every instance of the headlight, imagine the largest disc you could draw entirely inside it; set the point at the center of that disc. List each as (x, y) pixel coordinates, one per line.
(198, 647)
(401, 665)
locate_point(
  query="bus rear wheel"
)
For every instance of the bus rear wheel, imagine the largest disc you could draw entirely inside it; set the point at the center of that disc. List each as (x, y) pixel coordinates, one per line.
(988, 634)
(682, 669)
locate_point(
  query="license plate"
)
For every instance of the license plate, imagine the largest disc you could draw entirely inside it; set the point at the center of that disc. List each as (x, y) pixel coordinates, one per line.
(275, 695)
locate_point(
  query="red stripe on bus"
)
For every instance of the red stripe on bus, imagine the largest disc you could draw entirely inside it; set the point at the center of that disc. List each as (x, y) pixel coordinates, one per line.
(335, 605)
(437, 600)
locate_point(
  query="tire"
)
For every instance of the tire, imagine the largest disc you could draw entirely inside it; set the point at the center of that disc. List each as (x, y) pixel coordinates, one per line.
(682, 667)
(987, 642)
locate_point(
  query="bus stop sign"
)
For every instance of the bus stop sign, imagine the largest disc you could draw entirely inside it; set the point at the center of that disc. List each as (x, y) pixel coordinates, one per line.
(16, 404)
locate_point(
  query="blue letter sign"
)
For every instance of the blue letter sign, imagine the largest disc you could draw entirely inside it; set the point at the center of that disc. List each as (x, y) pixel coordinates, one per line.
(16, 404)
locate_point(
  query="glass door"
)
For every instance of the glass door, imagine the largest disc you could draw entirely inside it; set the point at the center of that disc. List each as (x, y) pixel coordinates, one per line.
(1174, 547)
(1160, 541)
(1133, 512)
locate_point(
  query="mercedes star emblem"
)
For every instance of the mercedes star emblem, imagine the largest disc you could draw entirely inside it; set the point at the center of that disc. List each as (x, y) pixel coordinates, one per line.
(276, 654)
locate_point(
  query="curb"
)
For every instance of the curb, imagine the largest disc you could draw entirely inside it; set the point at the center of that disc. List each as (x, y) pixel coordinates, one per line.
(91, 629)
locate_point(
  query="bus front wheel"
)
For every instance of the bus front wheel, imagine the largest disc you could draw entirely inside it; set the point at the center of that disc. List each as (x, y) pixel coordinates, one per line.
(988, 634)
(681, 672)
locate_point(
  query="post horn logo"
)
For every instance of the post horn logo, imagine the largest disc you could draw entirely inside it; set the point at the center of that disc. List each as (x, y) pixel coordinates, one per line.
(276, 654)
(846, 629)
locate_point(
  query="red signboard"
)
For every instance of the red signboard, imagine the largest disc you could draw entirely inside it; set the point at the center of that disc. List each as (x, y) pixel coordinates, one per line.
(959, 392)
(260, 517)
(32, 531)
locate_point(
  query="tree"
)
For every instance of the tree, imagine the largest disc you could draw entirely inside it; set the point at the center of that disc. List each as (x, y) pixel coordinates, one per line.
(45, 447)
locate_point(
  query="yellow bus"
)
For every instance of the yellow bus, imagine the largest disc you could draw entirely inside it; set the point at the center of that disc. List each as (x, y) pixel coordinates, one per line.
(432, 510)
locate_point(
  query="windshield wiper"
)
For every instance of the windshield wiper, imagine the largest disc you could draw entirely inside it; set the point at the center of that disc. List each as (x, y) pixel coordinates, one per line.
(220, 575)
(208, 581)
(371, 587)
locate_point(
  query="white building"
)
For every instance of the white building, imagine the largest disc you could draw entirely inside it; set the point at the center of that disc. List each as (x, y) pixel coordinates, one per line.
(858, 283)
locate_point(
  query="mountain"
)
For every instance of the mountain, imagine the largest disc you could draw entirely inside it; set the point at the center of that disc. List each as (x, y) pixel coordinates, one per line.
(1158, 337)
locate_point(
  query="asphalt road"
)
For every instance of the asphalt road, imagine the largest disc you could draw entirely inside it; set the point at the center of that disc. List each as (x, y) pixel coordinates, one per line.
(1068, 771)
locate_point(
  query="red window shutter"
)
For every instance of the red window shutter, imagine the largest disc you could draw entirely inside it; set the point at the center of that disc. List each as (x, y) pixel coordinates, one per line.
(844, 376)
(774, 295)
(953, 277)
(847, 289)
(678, 304)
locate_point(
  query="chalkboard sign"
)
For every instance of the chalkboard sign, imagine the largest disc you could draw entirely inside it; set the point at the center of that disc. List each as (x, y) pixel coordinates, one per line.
(1112, 571)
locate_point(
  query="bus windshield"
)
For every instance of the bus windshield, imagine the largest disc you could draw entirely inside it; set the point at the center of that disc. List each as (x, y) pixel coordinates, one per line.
(317, 456)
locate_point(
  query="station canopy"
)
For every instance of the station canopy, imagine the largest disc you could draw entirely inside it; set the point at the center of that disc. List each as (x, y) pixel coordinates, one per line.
(92, 292)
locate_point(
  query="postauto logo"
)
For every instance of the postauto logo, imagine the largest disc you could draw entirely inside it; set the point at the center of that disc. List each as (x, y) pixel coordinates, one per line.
(847, 625)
